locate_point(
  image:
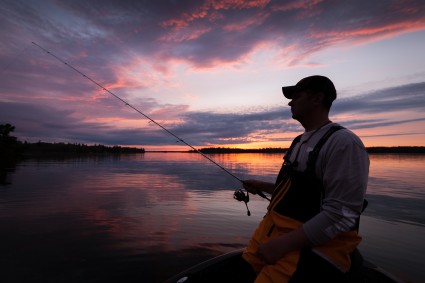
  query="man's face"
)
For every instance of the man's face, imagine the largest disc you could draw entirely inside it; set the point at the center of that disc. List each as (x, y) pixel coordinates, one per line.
(301, 105)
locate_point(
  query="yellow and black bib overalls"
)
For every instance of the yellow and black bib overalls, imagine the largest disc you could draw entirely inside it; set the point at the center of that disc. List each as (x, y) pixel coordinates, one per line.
(297, 198)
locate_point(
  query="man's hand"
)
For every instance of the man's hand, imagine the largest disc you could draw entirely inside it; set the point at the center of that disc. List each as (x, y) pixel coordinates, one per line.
(251, 186)
(254, 186)
(270, 252)
(276, 248)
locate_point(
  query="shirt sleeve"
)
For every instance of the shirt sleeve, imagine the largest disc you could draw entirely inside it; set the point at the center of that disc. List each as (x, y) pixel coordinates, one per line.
(343, 166)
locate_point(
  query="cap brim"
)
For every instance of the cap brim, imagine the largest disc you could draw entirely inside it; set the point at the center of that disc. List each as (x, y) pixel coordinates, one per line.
(289, 91)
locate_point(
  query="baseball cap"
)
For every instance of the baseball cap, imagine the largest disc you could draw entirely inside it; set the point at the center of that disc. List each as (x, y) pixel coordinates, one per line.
(315, 83)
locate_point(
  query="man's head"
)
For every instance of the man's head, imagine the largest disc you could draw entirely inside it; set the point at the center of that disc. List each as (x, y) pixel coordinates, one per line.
(315, 85)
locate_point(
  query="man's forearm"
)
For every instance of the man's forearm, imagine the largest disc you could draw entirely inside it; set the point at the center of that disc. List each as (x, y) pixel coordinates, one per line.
(276, 248)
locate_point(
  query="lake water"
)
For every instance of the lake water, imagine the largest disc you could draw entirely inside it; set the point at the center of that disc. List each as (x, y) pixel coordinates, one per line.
(145, 217)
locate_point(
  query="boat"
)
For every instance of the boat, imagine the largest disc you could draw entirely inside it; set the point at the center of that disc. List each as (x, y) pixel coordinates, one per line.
(367, 272)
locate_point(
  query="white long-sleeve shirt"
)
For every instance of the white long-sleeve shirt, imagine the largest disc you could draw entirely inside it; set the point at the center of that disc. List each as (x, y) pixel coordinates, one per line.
(343, 167)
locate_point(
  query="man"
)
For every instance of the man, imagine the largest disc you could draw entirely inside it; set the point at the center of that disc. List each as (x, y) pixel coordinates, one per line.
(310, 229)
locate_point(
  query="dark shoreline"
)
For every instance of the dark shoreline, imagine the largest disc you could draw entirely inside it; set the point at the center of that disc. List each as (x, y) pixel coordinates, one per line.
(372, 150)
(46, 150)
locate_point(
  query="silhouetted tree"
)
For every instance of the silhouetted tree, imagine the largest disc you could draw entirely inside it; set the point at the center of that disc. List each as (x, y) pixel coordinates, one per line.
(5, 137)
(8, 153)
(6, 129)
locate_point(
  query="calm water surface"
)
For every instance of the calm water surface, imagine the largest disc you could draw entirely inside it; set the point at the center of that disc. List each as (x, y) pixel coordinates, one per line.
(145, 217)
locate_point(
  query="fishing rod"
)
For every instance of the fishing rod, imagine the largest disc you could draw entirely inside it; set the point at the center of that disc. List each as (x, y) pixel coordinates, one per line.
(237, 194)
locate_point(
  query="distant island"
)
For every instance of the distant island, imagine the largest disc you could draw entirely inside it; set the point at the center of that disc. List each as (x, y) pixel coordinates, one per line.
(397, 149)
(44, 148)
(11, 148)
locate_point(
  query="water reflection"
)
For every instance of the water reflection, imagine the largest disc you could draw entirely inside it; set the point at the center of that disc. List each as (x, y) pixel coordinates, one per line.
(400, 253)
(397, 175)
(151, 215)
(7, 168)
(396, 188)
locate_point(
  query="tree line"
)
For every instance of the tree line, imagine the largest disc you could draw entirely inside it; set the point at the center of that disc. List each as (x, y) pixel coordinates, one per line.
(11, 147)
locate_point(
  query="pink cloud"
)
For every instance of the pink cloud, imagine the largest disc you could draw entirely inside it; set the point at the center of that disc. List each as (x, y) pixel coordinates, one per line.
(237, 4)
(297, 5)
(246, 23)
(170, 111)
(367, 34)
(209, 10)
(185, 34)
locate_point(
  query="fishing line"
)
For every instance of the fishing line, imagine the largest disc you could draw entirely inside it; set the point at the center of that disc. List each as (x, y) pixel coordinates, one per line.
(246, 199)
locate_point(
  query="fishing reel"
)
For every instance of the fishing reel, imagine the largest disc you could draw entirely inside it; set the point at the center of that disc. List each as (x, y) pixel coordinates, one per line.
(239, 195)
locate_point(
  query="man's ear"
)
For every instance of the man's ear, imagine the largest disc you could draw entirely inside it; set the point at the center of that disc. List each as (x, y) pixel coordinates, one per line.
(319, 97)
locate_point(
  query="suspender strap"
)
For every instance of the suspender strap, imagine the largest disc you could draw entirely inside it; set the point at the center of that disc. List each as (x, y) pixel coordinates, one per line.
(311, 162)
(291, 148)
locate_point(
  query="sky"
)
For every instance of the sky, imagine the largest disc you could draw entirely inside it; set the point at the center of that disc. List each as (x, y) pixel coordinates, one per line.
(208, 71)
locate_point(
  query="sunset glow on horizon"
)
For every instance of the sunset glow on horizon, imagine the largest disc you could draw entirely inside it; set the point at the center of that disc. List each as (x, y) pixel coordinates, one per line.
(209, 71)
